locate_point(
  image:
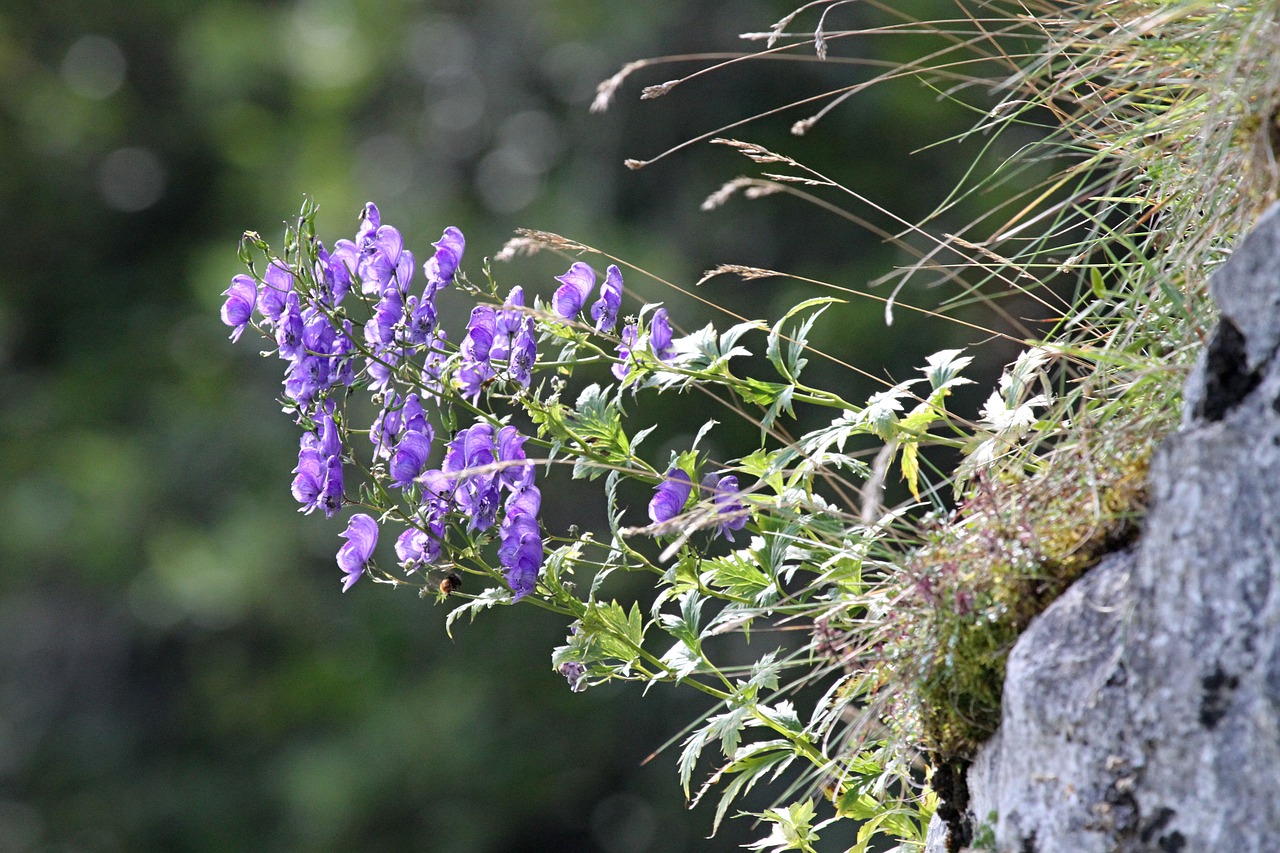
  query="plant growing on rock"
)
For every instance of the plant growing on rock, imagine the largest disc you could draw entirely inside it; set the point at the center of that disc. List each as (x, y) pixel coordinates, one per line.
(437, 438)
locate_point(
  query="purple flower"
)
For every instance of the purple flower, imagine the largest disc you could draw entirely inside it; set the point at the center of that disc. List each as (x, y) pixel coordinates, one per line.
(397, 416)
(341, 367)
(475, 369)
(605, 310)
(342, 266)
(480, 332)
(384, 263)
(370, 221)
(623, 367)
(511, 317)
(572, 294)
(670, 496)
(289, 328)
(660, 336)
(511, 449)
(309, 482)
(422, 320)
(576, 674)
(442, 266)
(361, 535)
(277, 284)
(524, 353)
(411, 457)
(520, 551)
(328, 439)
(318, 480)
(728, 504)
(331, 493)
(333, 277)
(380, 331)
(477, 494)
(417, 547)
(236, 311)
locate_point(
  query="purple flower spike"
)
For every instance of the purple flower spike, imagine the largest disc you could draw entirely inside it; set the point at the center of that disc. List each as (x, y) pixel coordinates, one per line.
(361, 535)
(660, 336)
(572, 294)
(236, 311)
(670, 496)
(605, 310)
(520, 552)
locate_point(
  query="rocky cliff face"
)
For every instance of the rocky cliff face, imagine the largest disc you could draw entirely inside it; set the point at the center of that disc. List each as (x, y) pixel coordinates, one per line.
(1142, 710)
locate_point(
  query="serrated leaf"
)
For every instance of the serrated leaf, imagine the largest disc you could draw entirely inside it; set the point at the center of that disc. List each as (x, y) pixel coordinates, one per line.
(911, 467)
(790, 364)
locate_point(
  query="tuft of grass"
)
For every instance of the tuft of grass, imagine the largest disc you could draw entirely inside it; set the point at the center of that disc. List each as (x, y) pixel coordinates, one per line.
(1154, 126)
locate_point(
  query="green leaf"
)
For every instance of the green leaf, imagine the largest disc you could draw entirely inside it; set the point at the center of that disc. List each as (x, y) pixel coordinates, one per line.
(911, 467)
(790, 363)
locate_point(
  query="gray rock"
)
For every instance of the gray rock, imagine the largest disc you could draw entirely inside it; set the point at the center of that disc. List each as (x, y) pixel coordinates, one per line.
(1142, 709)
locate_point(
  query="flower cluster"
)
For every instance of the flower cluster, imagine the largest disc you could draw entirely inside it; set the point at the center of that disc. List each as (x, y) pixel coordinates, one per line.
(484, 477)
(354, 318)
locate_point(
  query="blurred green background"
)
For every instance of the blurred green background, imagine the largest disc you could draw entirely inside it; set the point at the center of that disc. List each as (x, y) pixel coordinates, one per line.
(178, 670)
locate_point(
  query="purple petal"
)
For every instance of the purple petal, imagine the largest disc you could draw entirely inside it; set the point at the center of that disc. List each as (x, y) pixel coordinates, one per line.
(361, 535)
(660, 335)
(670, 496)
(605, 310)
(572, 294)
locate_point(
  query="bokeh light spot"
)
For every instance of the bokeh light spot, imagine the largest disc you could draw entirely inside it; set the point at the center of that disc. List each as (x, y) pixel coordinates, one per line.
(94, 67)
(131, 179)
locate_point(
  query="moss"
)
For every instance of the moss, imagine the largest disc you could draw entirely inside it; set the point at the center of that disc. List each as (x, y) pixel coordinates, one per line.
(1012, 548)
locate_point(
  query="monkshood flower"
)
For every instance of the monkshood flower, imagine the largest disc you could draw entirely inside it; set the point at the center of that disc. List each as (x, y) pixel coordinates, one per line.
(660, 336)
(383, 262)
(361, 535)
(379, 368)
(342, 370)
(507, 322)
(396, 417)
(411, 454)
(520, 551)
(572, 294)
(727, 501)
(524, 353)
(475, 368)
(318, 480)
(576, 674)
(442, 266)
(623, 368)
(242, 295)
(422, 320)
(511, 449)
(605, 310)
(381, 330)
(670, 496)
(416, 548)
(289, 327)
(476, 494)
(277, 284)
(332, 277)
